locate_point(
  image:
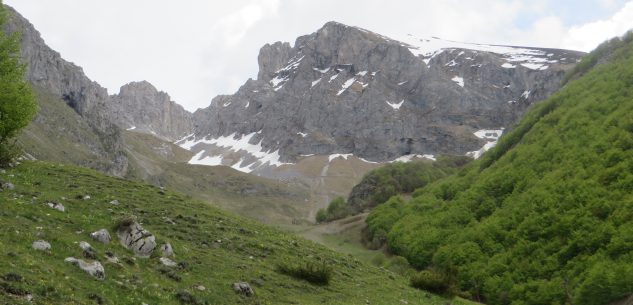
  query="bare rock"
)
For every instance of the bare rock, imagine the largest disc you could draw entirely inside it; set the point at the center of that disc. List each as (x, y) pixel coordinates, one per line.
(94, 268)
(41, 245)
(88, 252)
(57, 206)
(114, 202)
(137, 239)
(168, 262)
(243, 288)
(102, 236)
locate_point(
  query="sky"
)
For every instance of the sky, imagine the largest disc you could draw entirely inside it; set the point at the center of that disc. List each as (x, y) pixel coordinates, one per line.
(197, 49)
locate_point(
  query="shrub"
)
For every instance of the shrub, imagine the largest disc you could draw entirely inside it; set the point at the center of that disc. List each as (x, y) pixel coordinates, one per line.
(336, 210)
(17, 102)
(315, 273)
(431, 281)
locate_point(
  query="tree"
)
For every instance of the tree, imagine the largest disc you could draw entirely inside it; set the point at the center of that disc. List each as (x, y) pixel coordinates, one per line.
(17, 102)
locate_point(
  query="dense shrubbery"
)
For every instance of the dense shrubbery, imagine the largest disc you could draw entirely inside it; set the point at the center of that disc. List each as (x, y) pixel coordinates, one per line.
(382, 183)
(336, 210)
(547, 216)
(17, 103)
(315, 273)
(431, 281)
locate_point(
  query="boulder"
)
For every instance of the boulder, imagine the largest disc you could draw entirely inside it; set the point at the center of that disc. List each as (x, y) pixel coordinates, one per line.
(94, 268)
(41, 245)
(89, 252)
(137, 239)
(102, 236)
(243, 288)
(114, 202)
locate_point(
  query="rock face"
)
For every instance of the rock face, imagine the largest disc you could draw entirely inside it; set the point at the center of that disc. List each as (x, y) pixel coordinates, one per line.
(346, 90)
(137, 239)
(138, 104)
(141, 107)
(95, 269)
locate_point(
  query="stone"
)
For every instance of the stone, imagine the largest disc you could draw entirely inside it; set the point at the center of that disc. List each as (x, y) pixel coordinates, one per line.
(137, 239)
(7, 186)
(200, 288)
(243, 288)
(114, 202)
(57, 206)
(87, 197)
(94, 268)
(102, 236)
(168, 262)
(41, 245)
(89, 251)
(166, 250)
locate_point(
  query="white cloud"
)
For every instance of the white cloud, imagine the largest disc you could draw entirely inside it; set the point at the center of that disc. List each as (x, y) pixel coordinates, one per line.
(587, 36)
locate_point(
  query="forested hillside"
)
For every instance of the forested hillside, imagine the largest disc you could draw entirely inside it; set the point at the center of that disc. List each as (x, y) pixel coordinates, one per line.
(546, 217)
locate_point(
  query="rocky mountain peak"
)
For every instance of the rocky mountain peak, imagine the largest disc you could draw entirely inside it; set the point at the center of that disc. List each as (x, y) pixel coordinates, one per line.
(346, 90)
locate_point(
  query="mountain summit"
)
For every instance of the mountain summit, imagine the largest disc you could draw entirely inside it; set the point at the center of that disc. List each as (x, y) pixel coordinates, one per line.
(346, 90)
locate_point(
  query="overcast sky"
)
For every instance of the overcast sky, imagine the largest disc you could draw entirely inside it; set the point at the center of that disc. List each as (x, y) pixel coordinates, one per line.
(197, 49)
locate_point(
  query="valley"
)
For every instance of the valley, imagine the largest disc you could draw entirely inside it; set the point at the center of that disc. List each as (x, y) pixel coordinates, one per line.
(355, 169)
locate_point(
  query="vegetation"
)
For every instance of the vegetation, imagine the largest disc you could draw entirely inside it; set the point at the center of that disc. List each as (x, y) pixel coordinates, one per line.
(546, 217)
(315, 273)
(213, 249)
(431, 281)
(17, 104)
(337, 209)
(380, 184)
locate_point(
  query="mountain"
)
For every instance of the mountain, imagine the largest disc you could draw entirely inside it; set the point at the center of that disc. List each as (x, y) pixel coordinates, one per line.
(345, 90)
(545, 216)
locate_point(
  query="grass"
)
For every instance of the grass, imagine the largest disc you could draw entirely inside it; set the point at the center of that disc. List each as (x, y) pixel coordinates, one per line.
(213, 248)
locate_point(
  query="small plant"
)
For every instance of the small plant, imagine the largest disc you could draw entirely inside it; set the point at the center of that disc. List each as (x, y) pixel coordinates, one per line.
(124, 222)
(431, 281)
(315, 273)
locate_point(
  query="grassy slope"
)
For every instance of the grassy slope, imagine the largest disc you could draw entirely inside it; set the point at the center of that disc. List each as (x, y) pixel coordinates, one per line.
(25, 218)
(545, 217)
(163, 163)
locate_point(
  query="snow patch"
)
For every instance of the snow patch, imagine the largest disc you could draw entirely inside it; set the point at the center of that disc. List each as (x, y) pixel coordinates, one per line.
(235, 144)
(333, 77)
(395, 106)
(526, 94)
(314, 83)
(247, 104)
(508, 66)
(323, 71)
(302, 134)
(361, 73)
(348, 83)
(335, 156)
(458, 80)
(402, 83)
(131, 128)
(491, 135)
(409, 158)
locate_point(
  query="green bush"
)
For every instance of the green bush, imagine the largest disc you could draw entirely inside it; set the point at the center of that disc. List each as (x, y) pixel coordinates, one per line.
(17, 102)
(337, 209)
(315, 273)
(430, 281)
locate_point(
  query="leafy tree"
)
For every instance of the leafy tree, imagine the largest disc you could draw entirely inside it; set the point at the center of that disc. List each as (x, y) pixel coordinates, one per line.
(17, 102)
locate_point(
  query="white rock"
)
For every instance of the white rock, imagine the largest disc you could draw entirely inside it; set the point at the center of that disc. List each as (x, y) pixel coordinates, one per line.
(168, 262)
(95, 268)
(57, 206)
(41, 245)
(102, 236)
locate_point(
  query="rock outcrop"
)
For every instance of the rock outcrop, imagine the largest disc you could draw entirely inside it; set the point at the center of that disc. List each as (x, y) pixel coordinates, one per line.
(141, 107)
(102, 236)
(137, 239)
